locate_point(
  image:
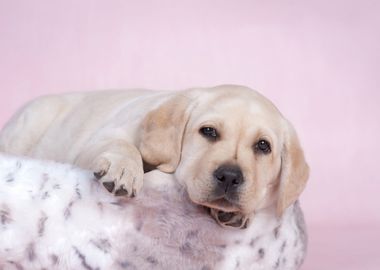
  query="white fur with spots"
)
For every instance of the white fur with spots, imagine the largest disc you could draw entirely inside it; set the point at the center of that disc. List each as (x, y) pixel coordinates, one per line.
(56, 216)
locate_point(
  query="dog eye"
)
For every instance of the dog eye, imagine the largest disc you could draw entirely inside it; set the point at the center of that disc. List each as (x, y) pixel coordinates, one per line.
(263, 146)
(209, 132)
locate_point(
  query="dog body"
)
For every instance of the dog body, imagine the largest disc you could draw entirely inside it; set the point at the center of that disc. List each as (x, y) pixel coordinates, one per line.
(56, 216)
(228, 145)
(63, 127)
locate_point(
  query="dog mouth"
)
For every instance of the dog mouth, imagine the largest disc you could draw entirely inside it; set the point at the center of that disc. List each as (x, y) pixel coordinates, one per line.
(227, 214)
(230, 219)
(222, 204)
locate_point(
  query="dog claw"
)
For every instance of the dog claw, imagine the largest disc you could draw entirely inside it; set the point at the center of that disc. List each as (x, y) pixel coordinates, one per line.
(109, 186)
(121, 192)
(99, 174)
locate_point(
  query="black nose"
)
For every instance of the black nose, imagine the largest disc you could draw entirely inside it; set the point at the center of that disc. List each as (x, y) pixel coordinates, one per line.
(228, 177)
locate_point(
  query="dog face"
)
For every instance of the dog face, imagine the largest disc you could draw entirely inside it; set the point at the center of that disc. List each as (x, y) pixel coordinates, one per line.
(230, 147)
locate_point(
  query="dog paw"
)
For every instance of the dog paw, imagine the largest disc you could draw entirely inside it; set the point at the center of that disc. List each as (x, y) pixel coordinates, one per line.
(230, 219)
(120, 176)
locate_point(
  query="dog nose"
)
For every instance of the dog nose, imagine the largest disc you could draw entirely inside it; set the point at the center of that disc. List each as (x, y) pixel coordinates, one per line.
(228, 177)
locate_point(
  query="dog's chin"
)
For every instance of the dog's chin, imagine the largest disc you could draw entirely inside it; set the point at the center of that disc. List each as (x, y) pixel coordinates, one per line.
(227, 214)
(236, 220)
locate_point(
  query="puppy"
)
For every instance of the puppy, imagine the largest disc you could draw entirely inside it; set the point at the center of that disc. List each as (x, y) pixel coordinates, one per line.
(228, 145)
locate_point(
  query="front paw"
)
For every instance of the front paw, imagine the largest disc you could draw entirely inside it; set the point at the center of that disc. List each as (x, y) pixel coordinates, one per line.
(120, 176)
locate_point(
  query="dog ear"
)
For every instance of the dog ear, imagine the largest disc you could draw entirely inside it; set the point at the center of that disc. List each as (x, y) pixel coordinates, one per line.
(294, 170)
(162, 132)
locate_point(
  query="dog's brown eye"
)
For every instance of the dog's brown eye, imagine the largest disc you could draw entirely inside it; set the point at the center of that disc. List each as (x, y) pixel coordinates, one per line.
(263, 146)
(209, 132)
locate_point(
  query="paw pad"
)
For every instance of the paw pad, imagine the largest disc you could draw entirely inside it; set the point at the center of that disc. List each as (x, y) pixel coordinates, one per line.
(121, 191)
(109, 186)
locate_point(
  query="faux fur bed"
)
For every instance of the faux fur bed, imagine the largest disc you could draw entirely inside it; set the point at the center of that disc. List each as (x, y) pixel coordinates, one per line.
(56, 216)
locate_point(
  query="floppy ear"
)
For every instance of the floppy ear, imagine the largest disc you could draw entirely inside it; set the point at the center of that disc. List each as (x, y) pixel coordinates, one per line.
(294, 170)
(162, 133)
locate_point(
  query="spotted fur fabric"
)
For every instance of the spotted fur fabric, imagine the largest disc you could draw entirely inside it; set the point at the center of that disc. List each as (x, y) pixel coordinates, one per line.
(55, 216)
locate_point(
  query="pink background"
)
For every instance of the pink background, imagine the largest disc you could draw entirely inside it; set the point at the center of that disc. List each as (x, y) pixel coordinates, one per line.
(318, 60)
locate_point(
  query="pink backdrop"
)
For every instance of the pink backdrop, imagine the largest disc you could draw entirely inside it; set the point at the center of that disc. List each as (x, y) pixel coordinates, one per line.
(318, 60)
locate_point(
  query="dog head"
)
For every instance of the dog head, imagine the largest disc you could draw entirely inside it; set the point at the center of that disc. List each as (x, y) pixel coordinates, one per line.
(230, 147)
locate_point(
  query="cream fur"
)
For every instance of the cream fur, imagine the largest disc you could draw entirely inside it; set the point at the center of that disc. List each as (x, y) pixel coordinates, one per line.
(112, 132)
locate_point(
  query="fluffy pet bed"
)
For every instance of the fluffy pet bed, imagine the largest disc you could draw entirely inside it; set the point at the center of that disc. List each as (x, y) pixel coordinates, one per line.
(56, 216)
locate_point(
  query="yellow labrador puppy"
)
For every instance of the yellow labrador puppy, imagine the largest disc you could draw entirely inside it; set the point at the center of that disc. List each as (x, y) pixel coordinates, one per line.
(228, 145)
